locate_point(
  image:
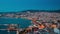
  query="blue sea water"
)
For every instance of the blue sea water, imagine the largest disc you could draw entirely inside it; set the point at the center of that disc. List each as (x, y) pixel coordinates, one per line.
(6, 32)
(23, 23)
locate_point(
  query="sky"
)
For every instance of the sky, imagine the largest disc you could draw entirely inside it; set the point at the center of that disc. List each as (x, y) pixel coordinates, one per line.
(20, 5)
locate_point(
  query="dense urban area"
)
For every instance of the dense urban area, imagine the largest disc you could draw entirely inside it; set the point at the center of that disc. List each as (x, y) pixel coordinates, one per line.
(42, 22)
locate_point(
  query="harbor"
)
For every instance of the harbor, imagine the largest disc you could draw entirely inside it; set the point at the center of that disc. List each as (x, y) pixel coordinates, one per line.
(30, 23)
(10, 27)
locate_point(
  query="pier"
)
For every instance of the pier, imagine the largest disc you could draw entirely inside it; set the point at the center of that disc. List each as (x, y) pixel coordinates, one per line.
(11, 27)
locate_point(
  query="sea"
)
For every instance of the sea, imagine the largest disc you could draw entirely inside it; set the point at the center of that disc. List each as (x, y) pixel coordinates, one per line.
(24, 23)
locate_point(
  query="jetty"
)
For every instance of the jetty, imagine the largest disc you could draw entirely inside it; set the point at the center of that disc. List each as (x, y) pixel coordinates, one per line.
(11, 27)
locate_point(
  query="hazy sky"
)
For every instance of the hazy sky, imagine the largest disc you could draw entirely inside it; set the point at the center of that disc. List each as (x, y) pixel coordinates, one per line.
(19, 5)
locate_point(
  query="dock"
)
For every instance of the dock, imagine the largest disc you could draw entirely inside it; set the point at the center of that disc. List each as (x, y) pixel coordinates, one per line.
(11, 27)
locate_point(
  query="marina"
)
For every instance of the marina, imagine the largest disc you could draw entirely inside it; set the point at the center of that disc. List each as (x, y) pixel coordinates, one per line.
(13, 28)
(30, 23)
